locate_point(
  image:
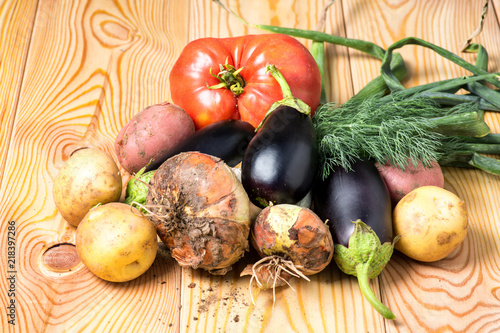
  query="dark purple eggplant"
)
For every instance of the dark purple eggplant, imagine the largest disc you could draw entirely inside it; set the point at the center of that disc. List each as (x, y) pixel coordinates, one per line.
(279, 165)
(280, 162)
(226, 139)
(349, 195)
(357, 205)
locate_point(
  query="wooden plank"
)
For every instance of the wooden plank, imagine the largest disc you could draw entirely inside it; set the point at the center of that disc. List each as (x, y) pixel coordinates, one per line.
(15, 39)
(16, 24)
(91, 66)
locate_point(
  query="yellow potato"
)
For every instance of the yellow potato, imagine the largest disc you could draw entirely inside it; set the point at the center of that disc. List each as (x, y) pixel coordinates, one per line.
(431, 221)
(116, 242)
(89, 177)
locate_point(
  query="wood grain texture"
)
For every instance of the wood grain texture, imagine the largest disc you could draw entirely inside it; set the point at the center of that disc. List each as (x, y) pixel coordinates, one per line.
(16, 28)
(74, 72)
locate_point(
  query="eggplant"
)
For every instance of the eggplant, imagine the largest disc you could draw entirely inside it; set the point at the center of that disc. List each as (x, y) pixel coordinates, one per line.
(279, 165)
(280, 162)
(357, 206)
(225, 139)
(349, 195)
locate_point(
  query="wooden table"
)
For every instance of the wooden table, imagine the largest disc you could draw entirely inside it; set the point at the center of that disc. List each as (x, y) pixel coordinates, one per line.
(75, 72)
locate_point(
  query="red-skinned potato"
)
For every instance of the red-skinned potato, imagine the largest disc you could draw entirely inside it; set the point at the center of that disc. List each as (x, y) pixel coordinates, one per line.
(401, 182)
(151, 134)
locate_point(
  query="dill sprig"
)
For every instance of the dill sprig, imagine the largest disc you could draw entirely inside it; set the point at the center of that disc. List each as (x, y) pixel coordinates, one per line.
(396, 131)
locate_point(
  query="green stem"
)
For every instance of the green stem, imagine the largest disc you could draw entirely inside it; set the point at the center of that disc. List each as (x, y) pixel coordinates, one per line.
(357, 44)
(482, 55)
(395, 85)
(318, 53)
(491, 138)
(285, 88)
(229, 78)
(441, 86)
(445, 98)
(364, 285)
(467, 124)
(472, 160)
(482, 148)
(488, 94)
(288, 98)
(487, 164)
(482, 58)
(481, 62)
(378, 86)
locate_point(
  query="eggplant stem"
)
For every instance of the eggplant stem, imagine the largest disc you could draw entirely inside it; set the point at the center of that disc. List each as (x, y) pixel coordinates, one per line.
(285, 88)
(288, 99)
(366, 290)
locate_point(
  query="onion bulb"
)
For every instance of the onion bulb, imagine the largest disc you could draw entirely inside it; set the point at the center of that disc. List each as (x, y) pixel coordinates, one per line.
(200, 210)
(292, 241)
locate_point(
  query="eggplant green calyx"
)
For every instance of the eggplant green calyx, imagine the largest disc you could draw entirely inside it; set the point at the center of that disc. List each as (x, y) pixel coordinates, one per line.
(365, 258)
(229, 78)
(288, 98)
(137, 188)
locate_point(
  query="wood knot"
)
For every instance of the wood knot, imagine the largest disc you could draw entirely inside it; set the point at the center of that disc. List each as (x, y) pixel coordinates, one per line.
(61, 257)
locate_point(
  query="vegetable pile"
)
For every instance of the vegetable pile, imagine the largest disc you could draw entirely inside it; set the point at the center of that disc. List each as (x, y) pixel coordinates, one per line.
(371, 166)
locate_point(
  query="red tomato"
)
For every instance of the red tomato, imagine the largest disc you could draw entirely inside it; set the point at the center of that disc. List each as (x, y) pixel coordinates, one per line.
(202, 59)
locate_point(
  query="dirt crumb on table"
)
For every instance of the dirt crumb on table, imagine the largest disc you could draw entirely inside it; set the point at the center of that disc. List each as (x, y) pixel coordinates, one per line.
(235, 296)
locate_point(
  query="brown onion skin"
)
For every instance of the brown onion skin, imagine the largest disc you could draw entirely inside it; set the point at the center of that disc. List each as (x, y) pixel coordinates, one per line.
(200, 210)
(311, 245)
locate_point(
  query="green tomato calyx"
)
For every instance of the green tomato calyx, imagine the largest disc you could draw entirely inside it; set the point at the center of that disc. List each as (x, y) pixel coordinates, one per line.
(229, 78)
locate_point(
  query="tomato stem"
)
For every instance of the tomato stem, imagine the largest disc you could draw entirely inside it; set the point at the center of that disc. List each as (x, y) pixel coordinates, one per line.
(229, 78)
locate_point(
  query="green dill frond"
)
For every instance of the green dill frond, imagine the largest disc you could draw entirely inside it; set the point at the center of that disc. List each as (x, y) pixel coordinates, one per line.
(397, 131)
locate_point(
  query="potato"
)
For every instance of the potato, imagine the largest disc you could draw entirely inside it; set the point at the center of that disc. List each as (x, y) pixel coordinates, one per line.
(150, 134)
(431, 221)
(116, 242)
(89, 177)
(400, 183)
